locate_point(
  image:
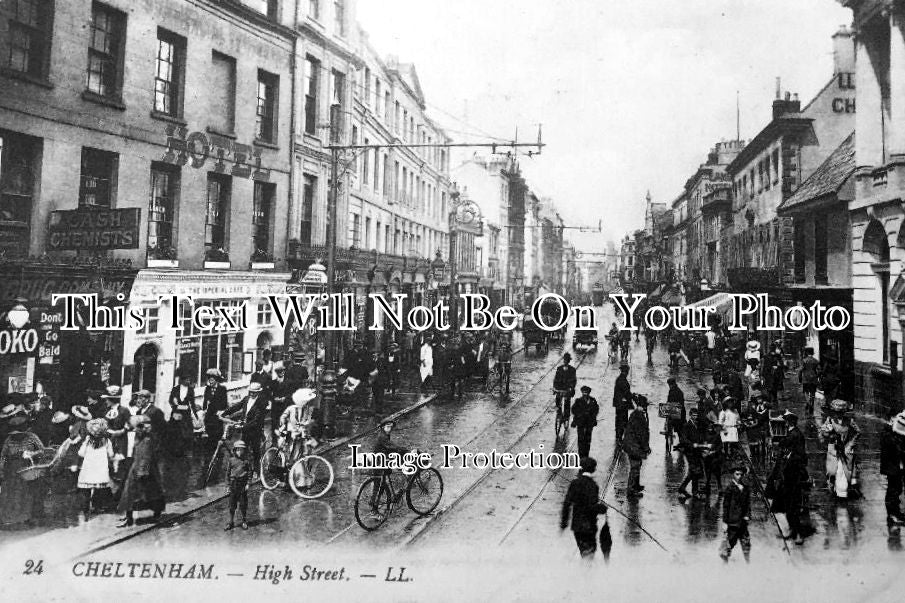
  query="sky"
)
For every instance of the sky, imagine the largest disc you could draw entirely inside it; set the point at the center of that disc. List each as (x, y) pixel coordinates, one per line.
(631, 93)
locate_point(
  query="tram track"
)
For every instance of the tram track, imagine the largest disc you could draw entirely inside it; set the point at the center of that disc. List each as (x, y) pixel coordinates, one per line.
(424, 527)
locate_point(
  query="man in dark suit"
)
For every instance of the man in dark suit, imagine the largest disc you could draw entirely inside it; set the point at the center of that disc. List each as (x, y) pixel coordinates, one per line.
(262, 376)
(622, 400)
(636, 444)
(251, 411)
(215, 401)
(583, 500)
(584, 419)
(144, 407)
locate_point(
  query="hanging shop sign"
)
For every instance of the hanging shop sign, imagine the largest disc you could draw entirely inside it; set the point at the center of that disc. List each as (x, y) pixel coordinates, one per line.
(94, 229)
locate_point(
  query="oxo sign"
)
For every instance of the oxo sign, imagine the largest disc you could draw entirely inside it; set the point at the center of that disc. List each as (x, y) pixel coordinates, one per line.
(20, 341)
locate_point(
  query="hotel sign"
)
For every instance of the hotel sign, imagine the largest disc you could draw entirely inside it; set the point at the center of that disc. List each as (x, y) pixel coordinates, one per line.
(227, 155)
(94, 229)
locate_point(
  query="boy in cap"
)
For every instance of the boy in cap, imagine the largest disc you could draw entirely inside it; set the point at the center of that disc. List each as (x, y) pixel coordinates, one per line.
(584, 419)
(736, 515)
(583, 501)
(238, 475)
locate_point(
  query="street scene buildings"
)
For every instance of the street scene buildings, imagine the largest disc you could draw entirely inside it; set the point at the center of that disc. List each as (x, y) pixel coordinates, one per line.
(179, 158)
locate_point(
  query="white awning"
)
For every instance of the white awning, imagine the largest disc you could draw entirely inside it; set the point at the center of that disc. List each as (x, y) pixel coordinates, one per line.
(722, 301)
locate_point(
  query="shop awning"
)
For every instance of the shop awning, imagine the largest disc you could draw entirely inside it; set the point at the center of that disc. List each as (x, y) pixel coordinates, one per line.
(722, 301)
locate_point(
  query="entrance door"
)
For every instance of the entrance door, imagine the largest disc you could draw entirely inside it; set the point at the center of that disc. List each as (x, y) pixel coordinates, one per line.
(144, 373)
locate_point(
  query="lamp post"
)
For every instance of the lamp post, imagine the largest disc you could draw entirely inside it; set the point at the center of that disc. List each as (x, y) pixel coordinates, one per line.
(328, 377)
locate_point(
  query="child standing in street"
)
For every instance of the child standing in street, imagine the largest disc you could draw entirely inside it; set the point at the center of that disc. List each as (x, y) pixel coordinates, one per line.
(237, 477)
(736, 515)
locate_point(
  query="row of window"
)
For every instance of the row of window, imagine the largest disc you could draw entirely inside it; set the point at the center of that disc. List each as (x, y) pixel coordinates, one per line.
(19, 160)
(760, 178)
(31, 30)
(402, 238)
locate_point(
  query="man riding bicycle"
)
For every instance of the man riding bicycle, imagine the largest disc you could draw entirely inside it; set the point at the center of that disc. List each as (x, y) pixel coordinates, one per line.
(564, 385)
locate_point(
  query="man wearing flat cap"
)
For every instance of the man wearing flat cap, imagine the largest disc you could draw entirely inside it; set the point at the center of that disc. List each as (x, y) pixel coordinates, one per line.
(583, 503)
(584, 419)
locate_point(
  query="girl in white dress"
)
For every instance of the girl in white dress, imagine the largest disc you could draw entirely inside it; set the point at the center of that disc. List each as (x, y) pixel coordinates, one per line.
(96, 453)
(729, 419)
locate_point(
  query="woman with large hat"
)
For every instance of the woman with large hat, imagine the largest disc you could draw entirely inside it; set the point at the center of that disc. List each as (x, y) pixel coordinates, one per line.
(180, 430)
(142, 489)
(20, 500)
(840, 434)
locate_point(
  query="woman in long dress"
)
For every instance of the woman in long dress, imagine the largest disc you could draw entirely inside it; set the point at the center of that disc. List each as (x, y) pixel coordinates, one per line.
(20, 500)
(96, 453)
(840, 434)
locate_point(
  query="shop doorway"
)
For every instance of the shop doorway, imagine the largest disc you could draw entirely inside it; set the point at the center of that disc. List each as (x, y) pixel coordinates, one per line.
(144, 372)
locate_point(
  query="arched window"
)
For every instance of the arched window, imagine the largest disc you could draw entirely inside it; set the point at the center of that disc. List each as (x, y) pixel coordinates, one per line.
(876, 244)
(144, 373)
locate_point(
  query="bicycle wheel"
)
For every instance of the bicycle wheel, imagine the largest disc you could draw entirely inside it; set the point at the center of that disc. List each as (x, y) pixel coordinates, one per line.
(424, 491)
(372, 504)
(559, 422)
(311, 476)
(210, 468)
(273, 468)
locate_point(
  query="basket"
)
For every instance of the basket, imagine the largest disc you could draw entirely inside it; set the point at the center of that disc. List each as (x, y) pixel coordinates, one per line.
(37, 470)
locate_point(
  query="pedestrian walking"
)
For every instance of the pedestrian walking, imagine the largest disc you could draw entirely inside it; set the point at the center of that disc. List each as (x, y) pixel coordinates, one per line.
(143, 487)
(378, 381)
(41, 419)
(692, 351)
(96, 453)
(214, 402)
(281, 389)
(784, 485)
(392, 362)
(736, 515)
(839, 433)
(180, 429)
(263, 374)
(713, 457)
(636, 444)
(892, 465)
(729, 420)
(691, 440)
(584, 419)
(676, 400)
(21, 501)
(59, 427)
(622, 400)
(808, 376)
(583, 503)
(238, 476)
(427, 365)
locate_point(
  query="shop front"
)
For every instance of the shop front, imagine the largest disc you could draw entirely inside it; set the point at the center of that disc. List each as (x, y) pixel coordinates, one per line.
(153, 355)
(36, 354)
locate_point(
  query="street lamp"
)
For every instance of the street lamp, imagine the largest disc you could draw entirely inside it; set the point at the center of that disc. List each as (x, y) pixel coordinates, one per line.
(18, 315)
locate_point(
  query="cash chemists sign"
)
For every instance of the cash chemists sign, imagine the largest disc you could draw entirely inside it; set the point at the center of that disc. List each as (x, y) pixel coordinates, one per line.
(94, 229)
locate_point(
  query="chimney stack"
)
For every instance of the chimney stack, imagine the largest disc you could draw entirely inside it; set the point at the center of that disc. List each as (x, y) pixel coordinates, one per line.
(778, 87)
(843, 51)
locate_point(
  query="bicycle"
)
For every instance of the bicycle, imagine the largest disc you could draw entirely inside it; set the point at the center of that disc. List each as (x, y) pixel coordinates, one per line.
(500, 385)
(228, 426)
(562, 399)
(377, 497)
(613, 350)
(309, 476)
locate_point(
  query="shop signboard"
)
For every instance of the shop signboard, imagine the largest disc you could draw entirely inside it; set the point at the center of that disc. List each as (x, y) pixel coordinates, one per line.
(100, 229)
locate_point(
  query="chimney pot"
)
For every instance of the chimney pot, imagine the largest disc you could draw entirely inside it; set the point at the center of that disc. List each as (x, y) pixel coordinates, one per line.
(788, 95)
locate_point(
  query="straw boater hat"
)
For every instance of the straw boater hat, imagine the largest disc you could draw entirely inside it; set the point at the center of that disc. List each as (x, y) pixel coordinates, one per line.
(143, 393)
(753, 346)
(81, 412)
(898, 423)
(790, 416)
(59, 417)
(303, 395)
(215, 373)
(239, 444)
(7, 411)
(114, 392)
(254, 386)
(97, 427)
